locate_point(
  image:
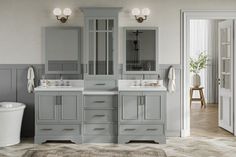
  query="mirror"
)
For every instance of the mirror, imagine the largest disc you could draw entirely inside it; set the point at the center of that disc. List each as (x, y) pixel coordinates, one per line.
(62, 50)
(140, 49)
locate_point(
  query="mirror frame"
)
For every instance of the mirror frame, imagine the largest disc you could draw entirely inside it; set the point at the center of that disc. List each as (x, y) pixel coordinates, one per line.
(79, 49)
(156, 48)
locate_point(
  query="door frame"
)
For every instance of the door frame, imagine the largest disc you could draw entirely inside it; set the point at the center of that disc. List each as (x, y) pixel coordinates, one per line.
(186, 16)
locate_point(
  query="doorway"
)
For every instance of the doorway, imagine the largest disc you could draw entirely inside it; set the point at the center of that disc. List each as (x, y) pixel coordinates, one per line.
(225, 110)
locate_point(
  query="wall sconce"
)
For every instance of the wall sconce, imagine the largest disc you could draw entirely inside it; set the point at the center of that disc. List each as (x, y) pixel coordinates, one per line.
(140, 15)
(67, 12)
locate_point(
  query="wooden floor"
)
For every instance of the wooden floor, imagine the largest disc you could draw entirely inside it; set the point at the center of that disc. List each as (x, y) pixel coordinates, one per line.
(204, 122)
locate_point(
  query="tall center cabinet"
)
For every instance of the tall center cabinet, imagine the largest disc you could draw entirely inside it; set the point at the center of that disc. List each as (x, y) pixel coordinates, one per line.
(100, 77)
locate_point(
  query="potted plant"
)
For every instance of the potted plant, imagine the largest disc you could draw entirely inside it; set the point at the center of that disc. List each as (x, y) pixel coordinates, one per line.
(196, 65)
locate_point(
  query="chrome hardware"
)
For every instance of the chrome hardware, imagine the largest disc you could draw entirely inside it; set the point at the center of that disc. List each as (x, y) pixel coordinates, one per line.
(151, 129)
(130, 129)
(46, 129)
(102, 115)
(99, 101)
(69, 129)
(99, 129)
(100, 84)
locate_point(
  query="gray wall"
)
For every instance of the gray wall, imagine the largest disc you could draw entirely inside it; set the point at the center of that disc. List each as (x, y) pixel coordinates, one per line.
(13, 87)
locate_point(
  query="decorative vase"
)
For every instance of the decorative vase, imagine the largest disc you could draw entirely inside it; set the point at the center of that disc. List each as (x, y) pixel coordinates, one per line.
(196, 80)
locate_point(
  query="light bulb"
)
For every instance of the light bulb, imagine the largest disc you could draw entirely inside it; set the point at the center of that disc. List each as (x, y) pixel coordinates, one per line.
(67, 11)
(57, 11)
(136, 11)
(145, 11)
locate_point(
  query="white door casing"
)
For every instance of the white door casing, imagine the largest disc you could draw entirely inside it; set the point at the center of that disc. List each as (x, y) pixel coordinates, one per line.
(186, 16)
(225, 68)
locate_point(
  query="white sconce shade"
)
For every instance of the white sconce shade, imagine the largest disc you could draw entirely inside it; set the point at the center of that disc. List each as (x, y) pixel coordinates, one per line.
(136, 11)
(57, 11)
(145, 11)
(67, 11)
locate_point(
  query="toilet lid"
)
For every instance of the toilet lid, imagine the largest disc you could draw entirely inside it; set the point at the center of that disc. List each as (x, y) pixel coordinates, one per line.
(11, 105)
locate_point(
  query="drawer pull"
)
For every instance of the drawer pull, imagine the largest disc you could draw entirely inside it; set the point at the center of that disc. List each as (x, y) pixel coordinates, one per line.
(130, 129)
(151, 129)
(46, 129)
(99, 101)
(99, 129)
(69, 129)
(99, 115)
(100, 84)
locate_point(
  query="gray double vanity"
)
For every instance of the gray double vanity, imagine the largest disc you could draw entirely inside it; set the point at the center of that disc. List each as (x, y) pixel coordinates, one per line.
(102, 107)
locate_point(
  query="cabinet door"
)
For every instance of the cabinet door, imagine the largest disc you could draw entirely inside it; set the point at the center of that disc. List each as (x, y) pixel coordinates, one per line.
(153, 107)
(129, 107)
(70, 110)
(46, 107)
(100, 47)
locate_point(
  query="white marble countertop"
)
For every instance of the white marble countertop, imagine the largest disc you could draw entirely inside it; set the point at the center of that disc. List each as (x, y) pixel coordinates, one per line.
(131, 85)
(142, 88)
(123, 85)
(58, 89)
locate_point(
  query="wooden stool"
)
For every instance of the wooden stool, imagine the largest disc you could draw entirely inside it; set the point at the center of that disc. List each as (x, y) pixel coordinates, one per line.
(202, 98)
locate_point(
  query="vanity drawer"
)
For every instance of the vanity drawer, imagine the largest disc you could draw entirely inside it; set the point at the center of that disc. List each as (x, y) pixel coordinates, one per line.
(100, 129)
(100, 84)
(106, 101)
(141, 129)
(100, 116)
(61, 130)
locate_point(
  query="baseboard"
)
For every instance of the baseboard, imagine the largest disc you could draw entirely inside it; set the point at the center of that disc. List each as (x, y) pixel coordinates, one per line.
(185, 133)
(173, 133)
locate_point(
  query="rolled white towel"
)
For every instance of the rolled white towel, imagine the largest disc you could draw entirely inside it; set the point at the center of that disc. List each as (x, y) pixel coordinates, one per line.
(171, 83)
(30, 77)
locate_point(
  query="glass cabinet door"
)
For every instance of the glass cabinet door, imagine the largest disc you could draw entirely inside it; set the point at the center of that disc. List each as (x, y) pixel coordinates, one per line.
(100, 60)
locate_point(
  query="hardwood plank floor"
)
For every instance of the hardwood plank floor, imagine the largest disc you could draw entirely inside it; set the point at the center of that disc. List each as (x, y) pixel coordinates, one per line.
(204, 122)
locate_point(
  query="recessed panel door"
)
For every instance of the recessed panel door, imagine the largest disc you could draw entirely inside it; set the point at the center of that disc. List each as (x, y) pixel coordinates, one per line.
(226, 75)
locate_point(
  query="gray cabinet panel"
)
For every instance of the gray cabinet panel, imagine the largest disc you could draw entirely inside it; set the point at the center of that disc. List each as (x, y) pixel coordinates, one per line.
(130, 106)
(100, 101)
(100, 116)
(47, 107)
(152, 107)
(141, 129)
(58, 116)
(100, 84)
(100, 129)
(69, 107)
(142, 116)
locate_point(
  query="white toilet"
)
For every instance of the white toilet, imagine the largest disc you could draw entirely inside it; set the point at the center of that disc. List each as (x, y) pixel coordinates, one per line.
(11, 114)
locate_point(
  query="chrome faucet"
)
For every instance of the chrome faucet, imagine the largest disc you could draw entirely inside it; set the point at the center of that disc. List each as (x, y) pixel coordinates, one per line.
(61, 82)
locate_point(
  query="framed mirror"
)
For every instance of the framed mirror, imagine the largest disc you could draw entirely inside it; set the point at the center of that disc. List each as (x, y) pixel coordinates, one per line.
(62, 48)
(140, 50)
